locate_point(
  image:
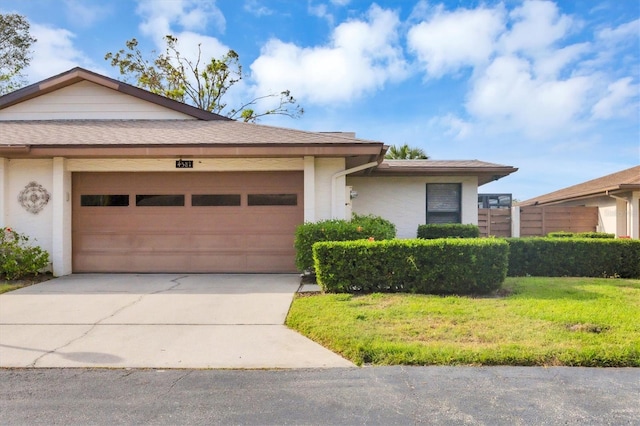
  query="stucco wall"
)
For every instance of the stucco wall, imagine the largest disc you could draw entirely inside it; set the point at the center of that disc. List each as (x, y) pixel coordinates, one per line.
(607, 212)
(325, 168)
(37, 226)
(402, 200)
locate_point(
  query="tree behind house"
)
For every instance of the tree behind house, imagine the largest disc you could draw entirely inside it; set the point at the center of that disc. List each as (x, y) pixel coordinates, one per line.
(405, 152)
(196, 82)
(15, 42)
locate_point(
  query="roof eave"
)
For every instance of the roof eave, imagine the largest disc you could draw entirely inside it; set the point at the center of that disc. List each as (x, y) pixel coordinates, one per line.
(601, 192)
(484, 174)
(359, 153)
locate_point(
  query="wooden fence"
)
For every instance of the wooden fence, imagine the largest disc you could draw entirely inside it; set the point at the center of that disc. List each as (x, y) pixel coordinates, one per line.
(496, 222)
(539, 221)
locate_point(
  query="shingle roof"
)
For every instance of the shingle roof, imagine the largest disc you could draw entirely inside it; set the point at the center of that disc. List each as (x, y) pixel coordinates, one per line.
(628, 179)
(158, 132)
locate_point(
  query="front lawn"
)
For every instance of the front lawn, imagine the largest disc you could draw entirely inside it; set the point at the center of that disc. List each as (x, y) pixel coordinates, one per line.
(10, 285)
(537, 321)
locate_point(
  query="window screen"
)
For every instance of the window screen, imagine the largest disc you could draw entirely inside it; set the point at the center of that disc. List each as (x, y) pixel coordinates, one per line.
(444, 202)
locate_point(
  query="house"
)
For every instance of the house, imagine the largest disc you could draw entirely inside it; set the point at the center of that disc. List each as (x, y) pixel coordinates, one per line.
(108, 177)
(617, 197)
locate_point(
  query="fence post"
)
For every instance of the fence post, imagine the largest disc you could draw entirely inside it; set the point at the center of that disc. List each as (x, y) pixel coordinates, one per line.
(515, 222)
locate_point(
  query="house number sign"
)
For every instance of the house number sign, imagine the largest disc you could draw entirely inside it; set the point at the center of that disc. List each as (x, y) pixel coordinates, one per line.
(184, 164)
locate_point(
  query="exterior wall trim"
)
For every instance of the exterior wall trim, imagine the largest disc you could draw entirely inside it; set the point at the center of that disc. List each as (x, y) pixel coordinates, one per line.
(169, 164)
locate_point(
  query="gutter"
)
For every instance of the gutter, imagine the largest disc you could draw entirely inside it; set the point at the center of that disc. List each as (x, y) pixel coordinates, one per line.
(334, 180)
(608, 194)
(15, 149)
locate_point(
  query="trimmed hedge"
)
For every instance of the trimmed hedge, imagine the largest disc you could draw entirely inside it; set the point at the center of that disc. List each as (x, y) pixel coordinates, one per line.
(360, 227)
(574, 257)
(448, 230)
(564, 234)
(442, 266)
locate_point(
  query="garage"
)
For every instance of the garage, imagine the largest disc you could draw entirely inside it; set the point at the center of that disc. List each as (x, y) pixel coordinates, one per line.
(185, 221)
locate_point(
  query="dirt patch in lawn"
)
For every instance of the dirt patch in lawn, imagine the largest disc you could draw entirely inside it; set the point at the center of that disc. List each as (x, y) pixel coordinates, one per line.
(8, 285)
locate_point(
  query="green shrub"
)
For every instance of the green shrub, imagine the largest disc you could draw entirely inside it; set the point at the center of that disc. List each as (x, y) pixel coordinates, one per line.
(442, 266)
(574, 257)
(360, 227)
(563, 234)
(17, 257)
(448, 230)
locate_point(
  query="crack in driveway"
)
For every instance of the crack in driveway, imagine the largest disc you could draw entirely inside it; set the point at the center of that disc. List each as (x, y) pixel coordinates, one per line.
(97, 323)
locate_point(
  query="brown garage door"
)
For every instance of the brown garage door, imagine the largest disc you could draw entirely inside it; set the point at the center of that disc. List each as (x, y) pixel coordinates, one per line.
(186, 222)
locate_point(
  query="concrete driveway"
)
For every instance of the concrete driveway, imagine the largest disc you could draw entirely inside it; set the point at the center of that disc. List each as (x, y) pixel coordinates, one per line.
(156, 321)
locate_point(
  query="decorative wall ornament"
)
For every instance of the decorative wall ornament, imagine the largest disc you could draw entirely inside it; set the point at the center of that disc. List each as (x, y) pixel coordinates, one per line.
(33, 197)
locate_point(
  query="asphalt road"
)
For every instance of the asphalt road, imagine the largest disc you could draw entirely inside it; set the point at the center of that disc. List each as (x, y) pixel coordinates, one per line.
(380, 395)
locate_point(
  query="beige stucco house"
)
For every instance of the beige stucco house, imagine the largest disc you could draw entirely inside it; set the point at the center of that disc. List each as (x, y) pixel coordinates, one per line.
(617, 197)
(111, 178)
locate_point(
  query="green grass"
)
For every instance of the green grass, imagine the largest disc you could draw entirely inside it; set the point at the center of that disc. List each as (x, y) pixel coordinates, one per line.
(5, 287)
(10, 285)
(541, 321)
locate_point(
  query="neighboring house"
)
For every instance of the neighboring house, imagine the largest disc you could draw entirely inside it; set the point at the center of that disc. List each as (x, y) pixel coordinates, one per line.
(108, 177)
(617, 197)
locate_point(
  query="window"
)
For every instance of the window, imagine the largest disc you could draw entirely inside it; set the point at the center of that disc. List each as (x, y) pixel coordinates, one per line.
(104, 200)
(206, 200)
(494, 201)
(444, 202)
(272, 199)
(159, 200)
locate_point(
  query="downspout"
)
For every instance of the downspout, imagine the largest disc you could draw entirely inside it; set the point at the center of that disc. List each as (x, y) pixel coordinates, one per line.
(334, 180)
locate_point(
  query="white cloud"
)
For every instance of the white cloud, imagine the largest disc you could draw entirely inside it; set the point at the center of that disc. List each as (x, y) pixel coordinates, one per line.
(626, 31)
(85, 14)
(509, 95)
(525, 74)
(537, 26)
(321, 11)
(362, 56)
(161, 16)
(449, 41)
(54, 52)
(618, 101)
(551, 63)
(453, 125)
(257, 8)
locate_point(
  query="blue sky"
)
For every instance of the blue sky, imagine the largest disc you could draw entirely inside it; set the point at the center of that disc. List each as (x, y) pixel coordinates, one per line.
(550, 87)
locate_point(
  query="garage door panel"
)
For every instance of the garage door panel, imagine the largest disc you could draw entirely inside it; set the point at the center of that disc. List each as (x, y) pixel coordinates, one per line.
(272, 241)
(276, 259)
(219, 241)
(185, 238)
